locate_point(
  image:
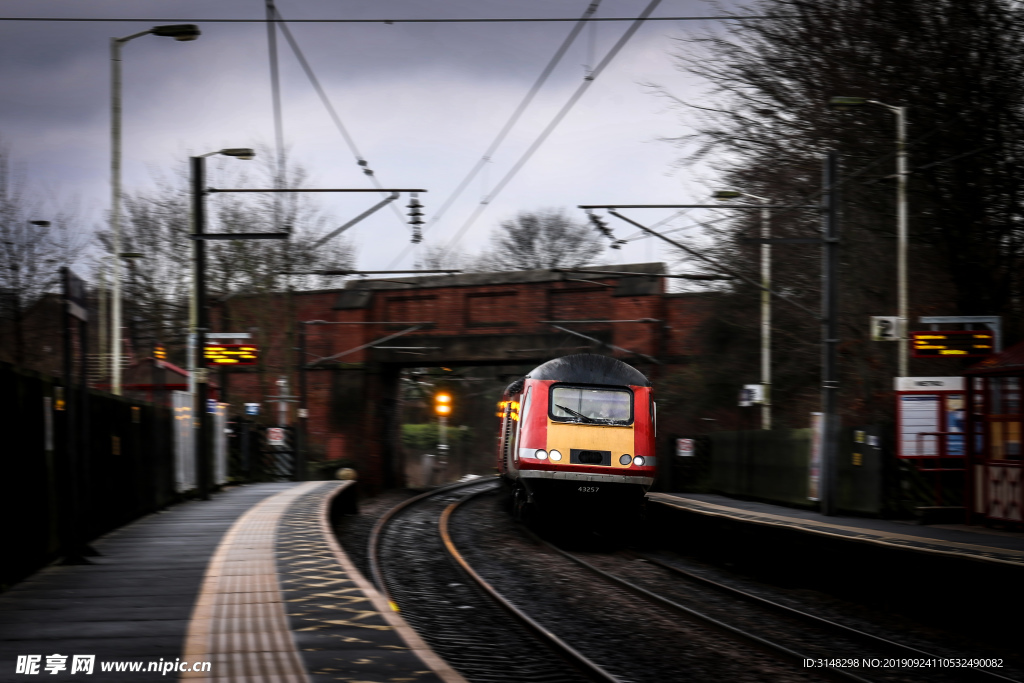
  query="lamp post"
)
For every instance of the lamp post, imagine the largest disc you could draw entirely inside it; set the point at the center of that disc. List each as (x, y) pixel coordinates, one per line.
(180, 32)
(199, 320)
(766, 303)
(845, 103)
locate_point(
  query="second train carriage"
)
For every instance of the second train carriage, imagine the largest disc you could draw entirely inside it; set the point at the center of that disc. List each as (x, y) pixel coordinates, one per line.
(577, 436)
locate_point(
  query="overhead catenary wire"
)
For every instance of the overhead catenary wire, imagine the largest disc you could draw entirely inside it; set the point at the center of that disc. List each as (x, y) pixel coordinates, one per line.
(275, 94)
(450, 20)
(566, 108)
(509, 124)
(332, 112)
(716, 265)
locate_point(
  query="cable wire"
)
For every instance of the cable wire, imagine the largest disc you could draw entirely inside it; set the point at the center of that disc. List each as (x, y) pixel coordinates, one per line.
(332, 112)
(453, 20)
(275, 90)
(510, 123)
(583, 87)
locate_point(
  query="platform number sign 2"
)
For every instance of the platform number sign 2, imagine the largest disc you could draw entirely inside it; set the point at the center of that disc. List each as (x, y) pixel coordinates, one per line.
(275, 436)
(885, 328)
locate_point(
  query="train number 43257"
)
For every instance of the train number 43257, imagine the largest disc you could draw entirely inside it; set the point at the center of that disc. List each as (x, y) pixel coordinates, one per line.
(589, 489)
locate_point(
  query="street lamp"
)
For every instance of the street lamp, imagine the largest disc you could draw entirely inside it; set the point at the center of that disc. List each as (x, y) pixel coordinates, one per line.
(198, 319)
(180, 32)
(245, 154)
(104, 320)
(766, 303)
(844, 104)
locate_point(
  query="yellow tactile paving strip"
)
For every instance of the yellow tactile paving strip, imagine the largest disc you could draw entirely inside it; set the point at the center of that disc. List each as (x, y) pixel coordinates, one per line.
(239, 623)
(344, 628)
(931, 545)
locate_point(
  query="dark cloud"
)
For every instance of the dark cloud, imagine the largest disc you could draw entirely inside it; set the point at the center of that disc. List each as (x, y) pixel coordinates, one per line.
(421, 100)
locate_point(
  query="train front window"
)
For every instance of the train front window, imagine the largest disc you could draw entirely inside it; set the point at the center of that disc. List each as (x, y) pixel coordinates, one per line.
(604, 406)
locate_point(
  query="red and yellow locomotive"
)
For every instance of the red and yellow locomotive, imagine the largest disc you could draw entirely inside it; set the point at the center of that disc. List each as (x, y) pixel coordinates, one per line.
(577, 435)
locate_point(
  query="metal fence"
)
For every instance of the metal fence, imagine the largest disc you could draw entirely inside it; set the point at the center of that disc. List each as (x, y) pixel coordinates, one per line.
(74, 465)
(774, 466)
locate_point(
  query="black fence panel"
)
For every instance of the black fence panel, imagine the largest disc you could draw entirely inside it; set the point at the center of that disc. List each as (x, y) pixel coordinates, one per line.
(29, 500)
(123, 467)
(773, 466)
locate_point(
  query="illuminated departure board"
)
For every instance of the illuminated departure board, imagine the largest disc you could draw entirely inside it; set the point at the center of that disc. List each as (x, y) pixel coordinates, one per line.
(232, 354)
(952, 344)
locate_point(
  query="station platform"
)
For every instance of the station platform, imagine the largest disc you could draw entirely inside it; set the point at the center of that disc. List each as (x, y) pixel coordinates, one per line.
(957, 541)
(251, 582)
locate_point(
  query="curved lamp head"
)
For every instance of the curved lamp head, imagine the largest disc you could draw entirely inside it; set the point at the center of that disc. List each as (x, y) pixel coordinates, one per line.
(180, 32)
(40, 224)
(243, 153)
(844, 103)
(727, 194)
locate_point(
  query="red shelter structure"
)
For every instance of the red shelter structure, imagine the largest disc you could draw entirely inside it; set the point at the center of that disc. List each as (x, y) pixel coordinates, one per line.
(995, 418)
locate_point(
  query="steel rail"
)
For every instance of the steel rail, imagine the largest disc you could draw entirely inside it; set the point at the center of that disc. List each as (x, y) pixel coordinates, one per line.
(373, 545)
(588, 667)
(774, 648)
(819, 621)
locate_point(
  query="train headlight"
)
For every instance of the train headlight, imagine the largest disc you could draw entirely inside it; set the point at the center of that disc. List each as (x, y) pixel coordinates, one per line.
(638, 461)
(541, 454)
(624, 459)
(556, 456)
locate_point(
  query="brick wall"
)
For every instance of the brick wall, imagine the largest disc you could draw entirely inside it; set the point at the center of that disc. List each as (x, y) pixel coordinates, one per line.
(342, 421)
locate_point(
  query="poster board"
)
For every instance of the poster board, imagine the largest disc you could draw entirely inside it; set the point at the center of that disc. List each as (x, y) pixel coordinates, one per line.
(924, 406)
(814, 466)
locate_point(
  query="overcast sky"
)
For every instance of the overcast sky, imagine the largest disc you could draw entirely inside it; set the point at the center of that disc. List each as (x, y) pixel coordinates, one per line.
(421, 101)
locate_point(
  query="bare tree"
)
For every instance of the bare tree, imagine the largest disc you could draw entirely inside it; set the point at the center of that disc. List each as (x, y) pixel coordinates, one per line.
(956, 66)
(157, 287)
(34, 245)
(541, 239)
(437, 257)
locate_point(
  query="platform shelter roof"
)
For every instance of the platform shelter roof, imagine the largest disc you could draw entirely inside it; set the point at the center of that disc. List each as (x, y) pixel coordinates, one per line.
(1008, 362)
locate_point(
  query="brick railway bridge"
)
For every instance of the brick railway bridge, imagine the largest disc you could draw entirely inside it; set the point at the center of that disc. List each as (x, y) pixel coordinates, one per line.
(356, 341)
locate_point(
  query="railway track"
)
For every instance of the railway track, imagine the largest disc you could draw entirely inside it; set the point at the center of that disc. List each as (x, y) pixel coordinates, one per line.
(544, 623)
(461, 624)
(891, 648)
(613, 637)
(884, 649)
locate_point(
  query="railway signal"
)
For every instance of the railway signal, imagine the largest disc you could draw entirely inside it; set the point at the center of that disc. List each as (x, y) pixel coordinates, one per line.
(443, 404)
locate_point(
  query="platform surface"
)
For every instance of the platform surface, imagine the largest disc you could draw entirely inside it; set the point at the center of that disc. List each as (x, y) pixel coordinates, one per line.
(252, 582)
(957, 540)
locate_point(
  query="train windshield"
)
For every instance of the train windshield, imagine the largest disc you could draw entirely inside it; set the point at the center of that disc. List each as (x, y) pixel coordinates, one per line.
(580, 404)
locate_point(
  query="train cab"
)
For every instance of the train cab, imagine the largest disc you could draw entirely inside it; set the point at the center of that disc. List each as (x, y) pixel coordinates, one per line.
(578, 436)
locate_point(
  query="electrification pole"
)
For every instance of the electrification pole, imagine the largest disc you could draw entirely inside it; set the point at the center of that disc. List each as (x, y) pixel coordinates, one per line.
(830, 334)
(200, 374)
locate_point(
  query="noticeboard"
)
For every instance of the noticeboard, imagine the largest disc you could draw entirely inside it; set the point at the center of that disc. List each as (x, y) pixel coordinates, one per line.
(952, 344)
(929, 417)
(231, 354)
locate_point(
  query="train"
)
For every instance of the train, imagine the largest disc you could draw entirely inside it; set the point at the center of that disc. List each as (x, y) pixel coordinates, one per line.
(577, 440)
